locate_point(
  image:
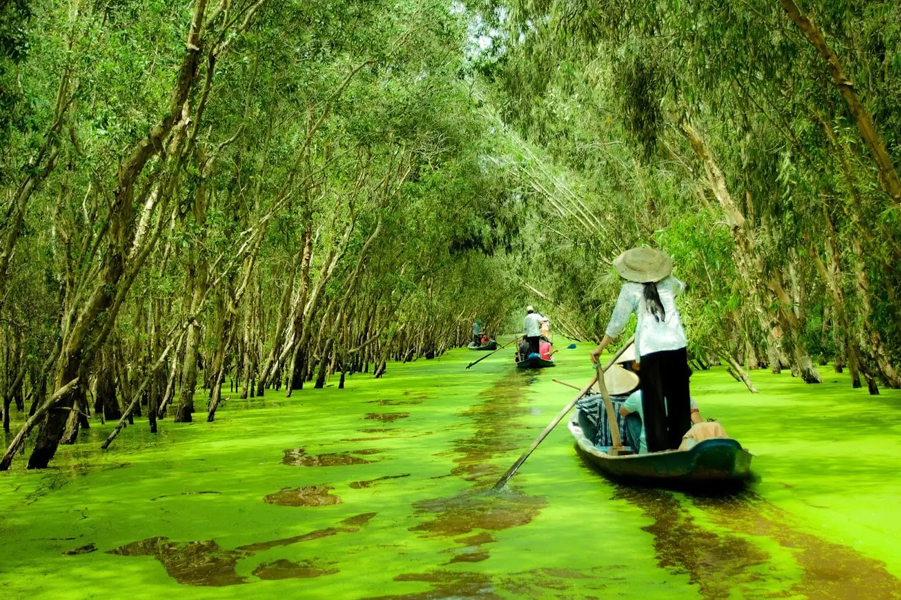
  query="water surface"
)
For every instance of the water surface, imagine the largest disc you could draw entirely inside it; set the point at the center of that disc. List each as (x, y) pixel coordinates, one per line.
(381, 490)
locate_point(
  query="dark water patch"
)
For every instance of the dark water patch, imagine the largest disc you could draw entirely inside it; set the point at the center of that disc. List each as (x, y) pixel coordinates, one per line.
(348, 525)
(535, 584)
(87, 549)
(473, 511)
(371, 482)
(476, 540)
(306, 537)
(717, 564)
(447, 584)
(358, 520)
(200, 493)
(470, 557)
(298, 457)
(829, 571)
(189, 563)
(387, 417)
(316, 495)
(389, 430)
(497, 431)
(392, 402)
(285, 569)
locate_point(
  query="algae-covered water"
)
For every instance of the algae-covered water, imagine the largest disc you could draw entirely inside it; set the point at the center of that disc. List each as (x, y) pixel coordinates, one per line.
(380, 491)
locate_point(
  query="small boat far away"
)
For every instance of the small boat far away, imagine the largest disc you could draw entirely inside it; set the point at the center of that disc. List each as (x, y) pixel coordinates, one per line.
(534, 361)
(489, 345)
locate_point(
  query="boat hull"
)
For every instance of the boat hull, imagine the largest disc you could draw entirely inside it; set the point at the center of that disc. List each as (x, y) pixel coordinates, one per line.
(710, 460)
(535, 363)
(492, 345)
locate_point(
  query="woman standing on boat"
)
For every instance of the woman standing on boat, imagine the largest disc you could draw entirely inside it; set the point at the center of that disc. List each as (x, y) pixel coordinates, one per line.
(650, 292)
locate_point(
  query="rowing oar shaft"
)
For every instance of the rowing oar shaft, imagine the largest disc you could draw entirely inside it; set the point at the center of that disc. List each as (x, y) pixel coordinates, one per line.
(492, 352)
(569, 385)
(560, 416)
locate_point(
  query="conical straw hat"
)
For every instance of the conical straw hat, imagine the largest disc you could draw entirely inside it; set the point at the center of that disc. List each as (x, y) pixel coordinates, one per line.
(628, 355)
(643, 265)
(620, 381)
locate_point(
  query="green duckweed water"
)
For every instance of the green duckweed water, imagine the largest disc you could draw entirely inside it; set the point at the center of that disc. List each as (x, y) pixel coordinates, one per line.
(380, 491)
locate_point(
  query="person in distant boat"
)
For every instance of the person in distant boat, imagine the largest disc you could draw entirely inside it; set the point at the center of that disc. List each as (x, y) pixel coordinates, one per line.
(532, 325)
(476, 330)
(522, 349)
(545, 349)
(650, 293)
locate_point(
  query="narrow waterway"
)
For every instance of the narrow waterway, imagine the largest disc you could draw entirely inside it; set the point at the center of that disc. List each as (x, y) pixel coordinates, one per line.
(382, 490)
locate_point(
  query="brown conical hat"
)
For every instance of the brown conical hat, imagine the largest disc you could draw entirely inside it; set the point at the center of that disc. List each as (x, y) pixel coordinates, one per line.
(620, 381)
(643, 265)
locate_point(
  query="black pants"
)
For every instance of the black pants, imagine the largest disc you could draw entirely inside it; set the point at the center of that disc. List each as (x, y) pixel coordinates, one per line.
(533, 344)
(665, 375)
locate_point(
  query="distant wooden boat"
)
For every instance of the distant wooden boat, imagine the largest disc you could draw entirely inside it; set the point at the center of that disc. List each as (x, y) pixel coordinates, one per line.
(490, 345)
(710, 460)
(535, 362)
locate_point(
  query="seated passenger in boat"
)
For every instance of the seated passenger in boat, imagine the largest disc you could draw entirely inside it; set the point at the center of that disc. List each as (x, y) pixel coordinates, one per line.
(544, 349)
(592, 415)
(522, 350)
(701, 431)
(633, 412)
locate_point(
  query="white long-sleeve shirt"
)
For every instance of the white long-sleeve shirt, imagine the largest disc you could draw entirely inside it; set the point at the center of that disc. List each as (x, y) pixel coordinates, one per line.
(532, 324)
(650, 335)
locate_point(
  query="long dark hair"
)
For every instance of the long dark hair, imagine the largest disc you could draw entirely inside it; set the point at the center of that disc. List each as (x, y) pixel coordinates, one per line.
(653, 303)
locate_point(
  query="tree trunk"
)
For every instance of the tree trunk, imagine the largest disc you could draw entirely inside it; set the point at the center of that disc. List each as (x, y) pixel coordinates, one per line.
(888, 176)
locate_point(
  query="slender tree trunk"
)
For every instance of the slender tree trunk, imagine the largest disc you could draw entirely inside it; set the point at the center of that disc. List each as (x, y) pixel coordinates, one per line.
(888, 176)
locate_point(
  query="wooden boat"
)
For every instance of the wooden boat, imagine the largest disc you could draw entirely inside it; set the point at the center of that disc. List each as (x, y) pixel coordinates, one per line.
(535, 362)
(491, 345)
(710, 460)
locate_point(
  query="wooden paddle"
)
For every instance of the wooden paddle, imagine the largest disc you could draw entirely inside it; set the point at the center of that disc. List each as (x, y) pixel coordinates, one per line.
(617, 447)
(475, 362)
(562, 414)
(569, 385)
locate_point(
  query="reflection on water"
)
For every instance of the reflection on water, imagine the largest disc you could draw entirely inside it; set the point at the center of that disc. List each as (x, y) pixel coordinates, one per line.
(387, 417)
(356, 485)
(349, 525)
(191, 563)
(470, 557)
(476, 510)
(830, 571)
(298, 457)
(725, 559)
(497, 430)
(87, 549)
(393, 402)
(285, 569)
(206, 564)
(446, 585)
(316, 495)
(715, 563)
